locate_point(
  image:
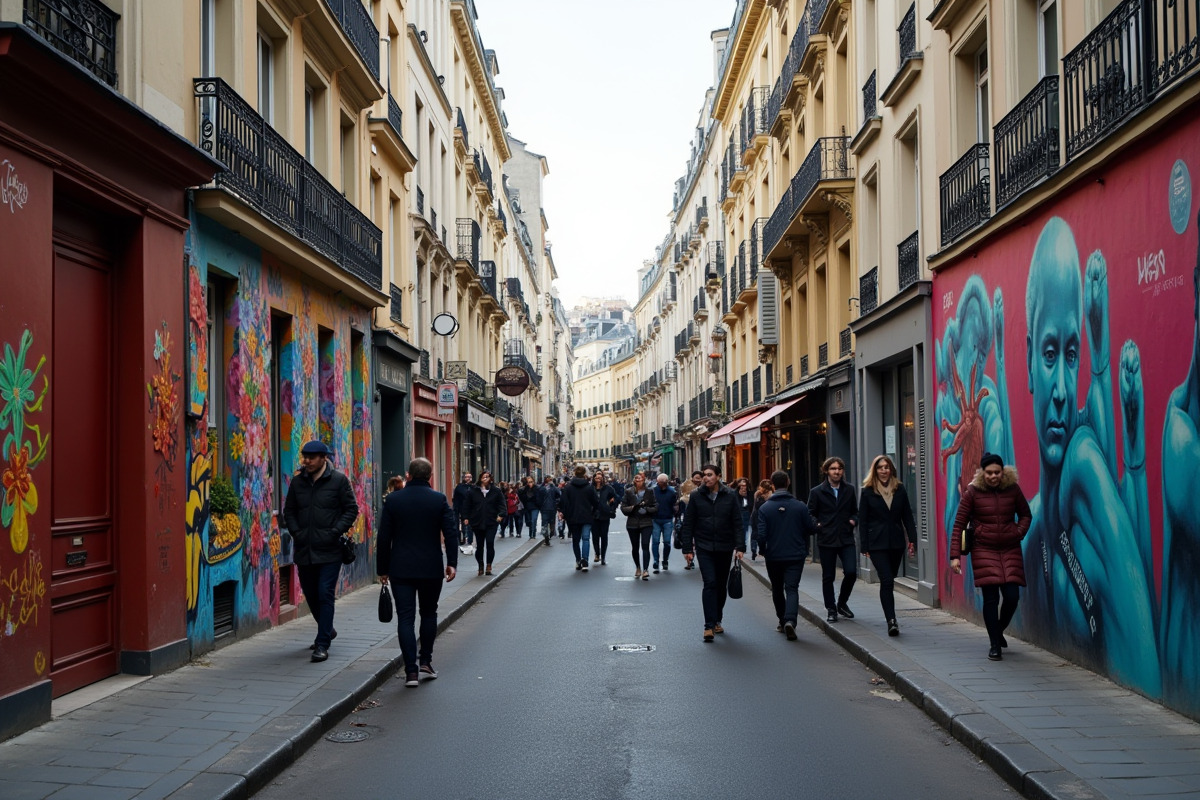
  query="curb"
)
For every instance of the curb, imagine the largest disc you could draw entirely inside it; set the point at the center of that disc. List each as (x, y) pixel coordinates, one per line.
(267, 752)
(1018, 762)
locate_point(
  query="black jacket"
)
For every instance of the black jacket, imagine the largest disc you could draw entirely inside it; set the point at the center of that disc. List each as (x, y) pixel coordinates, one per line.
(784, 525)
(579, 502)
(714, 525)
(461, 493)
(883, 528)
(529, 497)
(608, 502)
(548, 499)
(631, 506)
(483, 510)
(318, 513)
(412, 525)
(834, 514)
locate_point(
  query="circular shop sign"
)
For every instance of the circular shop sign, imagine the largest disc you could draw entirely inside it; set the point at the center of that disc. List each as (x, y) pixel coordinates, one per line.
(512, 380)
(444, 324)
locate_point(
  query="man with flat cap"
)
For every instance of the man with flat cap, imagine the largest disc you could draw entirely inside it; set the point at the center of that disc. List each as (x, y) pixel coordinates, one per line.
(319, 510)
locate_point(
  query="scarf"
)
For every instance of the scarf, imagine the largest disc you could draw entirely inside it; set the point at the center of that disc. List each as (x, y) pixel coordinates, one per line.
(886, 492)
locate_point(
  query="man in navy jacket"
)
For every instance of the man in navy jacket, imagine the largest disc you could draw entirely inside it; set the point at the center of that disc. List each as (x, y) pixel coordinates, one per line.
(412, 527)
(784, 525)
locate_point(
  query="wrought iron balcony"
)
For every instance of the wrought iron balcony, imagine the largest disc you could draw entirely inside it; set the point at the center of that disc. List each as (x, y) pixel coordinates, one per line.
(908, 259)
(907, 33)
(522, 361)
(870, 93)
(468, 242)
(475, 383)
(1027, 148)
(714, 261)
(827, 160)
(85, 31)
(396, 306)
(844, 343)
(267, 173)
(965, 193)
(868, 292)
(460, 129)
(359, 29)
(395, 116)
(757, 251)
(424, 364)
(487, 276)
(754, 121)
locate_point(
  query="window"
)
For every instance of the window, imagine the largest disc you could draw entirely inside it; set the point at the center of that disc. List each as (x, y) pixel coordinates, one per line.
(266, 78)
(281, 381)
(310, 124)
(1047, 38)
(216, 370)
(208, 35)
(982, 114)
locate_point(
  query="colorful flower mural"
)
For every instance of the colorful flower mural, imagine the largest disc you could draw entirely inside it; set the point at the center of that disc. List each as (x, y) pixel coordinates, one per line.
(17, 398)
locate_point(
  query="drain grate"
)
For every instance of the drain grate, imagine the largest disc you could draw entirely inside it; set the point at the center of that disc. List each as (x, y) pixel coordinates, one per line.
(633, 648)
(346, 737)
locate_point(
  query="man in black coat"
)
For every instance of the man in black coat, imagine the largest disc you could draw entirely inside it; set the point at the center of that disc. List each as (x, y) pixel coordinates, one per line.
(834, 504)
(413, 525)
(462, 493)
(579, 506)
(712, 533)
(550, 495)
(319, 510)
(784, 525)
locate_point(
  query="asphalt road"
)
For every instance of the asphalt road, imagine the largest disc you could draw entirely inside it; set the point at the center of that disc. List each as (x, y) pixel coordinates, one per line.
(533, 702)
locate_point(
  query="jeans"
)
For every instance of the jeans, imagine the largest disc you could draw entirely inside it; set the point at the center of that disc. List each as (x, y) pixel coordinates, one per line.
(487, 540)
(887, 565)
(581, 536)
(995, 623)
(785, 588)
(319, 584)
(531, 519)
(640, 536)
(829, 558)
(662, 529)
(407, 593)
(600, 537)
(714, 569)
(466, 534)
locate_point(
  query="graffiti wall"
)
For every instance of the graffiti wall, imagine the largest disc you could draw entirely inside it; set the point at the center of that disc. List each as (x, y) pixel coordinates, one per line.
(1069, 346)
(291, 367)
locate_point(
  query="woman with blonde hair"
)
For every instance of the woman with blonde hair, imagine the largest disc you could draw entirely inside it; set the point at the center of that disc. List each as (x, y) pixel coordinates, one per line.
(885, 518)
(685, 491)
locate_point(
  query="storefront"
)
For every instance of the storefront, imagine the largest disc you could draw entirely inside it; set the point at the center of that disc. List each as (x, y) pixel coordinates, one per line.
(433, 437)
(481, 446)
(393, 386)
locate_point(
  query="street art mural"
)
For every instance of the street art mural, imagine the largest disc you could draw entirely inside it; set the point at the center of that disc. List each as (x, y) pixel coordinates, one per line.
(288, 376)
(1070, 347)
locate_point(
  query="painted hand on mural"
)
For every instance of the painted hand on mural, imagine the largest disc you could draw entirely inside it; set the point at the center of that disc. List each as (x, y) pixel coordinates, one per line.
(1099, 410)
(1134, 492)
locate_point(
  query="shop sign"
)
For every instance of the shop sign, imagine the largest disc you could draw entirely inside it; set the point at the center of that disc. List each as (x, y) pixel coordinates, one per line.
(512, 380)
(447, 397)
(392, 374)
(483, 420)
(748, 437)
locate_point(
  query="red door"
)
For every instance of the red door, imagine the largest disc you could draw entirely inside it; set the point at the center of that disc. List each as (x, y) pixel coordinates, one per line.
(83, 576)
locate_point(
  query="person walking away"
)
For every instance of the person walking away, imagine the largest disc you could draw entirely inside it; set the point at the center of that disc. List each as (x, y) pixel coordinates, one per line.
(528, 494)
(665, 501)
(885, 517)
(512, 508)
(549, 501)
(414, 524)
(784, 528)
(745, 501)
(485, 509)
(713, 536)
(461, 493)
(835, 506)
(685, 492)
(608, 509)
(639, 509)
(579, 507)
(996, 508)
(319, 510)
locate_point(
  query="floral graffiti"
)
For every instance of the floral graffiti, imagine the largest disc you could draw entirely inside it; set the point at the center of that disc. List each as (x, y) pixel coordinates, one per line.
(197, 345)
(164, 398)
(17, 398)
(196, 516)
(22, 592)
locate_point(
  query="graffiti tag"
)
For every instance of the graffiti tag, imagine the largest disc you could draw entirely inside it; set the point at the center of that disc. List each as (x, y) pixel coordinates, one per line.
(1151, 267)
(13, 193)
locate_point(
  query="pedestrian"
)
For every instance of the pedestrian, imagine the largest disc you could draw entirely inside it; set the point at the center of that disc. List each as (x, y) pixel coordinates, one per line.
(745, 504)
(579, 505)
(713, 536)
(639, 509)
(885, 517)
(835, 506)
(994, 507)
(412, 528)
(512, 512)
(531, 502)
(395, 482)
(461, 493)
(549, 502)
(319, 510)
(604, 516)
(784, 528)
(666, 500)
(765, 490)
(685, 493)
(485, 508)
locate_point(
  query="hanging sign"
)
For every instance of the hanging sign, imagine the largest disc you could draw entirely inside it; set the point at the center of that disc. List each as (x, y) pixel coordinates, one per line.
(512, 380)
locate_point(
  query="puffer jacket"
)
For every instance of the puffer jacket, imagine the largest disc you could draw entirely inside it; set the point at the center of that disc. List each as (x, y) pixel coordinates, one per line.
(714, 525)
(318, 513)
(1001, 518)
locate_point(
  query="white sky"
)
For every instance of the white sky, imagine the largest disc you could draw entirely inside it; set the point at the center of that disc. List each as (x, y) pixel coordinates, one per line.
(610, 93)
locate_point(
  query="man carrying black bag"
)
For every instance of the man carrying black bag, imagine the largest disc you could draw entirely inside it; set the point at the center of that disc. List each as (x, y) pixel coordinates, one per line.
(714, 536)
(415, 522)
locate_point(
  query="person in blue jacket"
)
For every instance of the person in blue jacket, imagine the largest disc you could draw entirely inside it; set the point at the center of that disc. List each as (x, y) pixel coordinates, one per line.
(784, 527)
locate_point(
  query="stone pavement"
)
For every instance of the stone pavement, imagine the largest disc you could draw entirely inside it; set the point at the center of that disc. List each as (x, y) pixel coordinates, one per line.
(1048, 727)
(231, 720)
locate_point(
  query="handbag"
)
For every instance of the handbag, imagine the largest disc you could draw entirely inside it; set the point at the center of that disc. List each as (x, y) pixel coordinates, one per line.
(385, 604)
(968, 541)
(734, 589)
(349, 554)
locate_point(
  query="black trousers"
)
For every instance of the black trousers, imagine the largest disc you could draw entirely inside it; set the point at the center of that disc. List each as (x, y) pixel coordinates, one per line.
(485, 538)
(640, 536)
(714, 569)
(785, 588)
(600, 537)
(997, 623)
(408, 594)
(887, 566)
(847, 554)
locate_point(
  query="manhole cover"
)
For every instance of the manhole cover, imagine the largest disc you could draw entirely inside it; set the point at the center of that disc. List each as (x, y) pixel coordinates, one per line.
(344, 737)
(633, 648)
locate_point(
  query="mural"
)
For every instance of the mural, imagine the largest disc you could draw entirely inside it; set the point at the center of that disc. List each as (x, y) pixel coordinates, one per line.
(163, 393)
(1058, 347)
(279, 331)
(17, 398)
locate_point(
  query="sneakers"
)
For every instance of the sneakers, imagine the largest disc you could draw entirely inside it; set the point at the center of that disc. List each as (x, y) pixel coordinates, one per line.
(579, 565)
(428, 671)
(832, 615)
(656, 569)
(717, 628)
(412, 680)
(664, 566)
(708, 634)
(845, 611)
(893, 628)
(995, 655)
(789, 630)
(585, 565)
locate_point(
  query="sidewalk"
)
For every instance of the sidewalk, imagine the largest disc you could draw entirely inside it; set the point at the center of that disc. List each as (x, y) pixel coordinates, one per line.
(1049, 728)
(228, 722)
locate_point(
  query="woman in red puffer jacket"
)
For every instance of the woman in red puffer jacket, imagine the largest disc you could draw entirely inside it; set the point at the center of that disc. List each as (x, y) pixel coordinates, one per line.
(995, 508)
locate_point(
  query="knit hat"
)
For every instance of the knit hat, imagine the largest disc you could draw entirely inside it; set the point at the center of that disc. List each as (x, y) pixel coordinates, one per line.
(990, 458)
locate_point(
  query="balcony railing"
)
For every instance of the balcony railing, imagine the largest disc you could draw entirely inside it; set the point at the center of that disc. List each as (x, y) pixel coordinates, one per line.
(84, 31)
(844, 343)
(754, 115)
(396, 307)
(827, 160)
(266, 172)
(757, 251)
(868, 292)
(965, 193)
(460, 127)
(1026, 140)
(522, 360)
(908, 259)
(423, 364)
(359, 29)
(714, 261)
(870, 94)
(468, 242)
(395, 116)
(907, 33)
(487, 276)
(475, 383)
